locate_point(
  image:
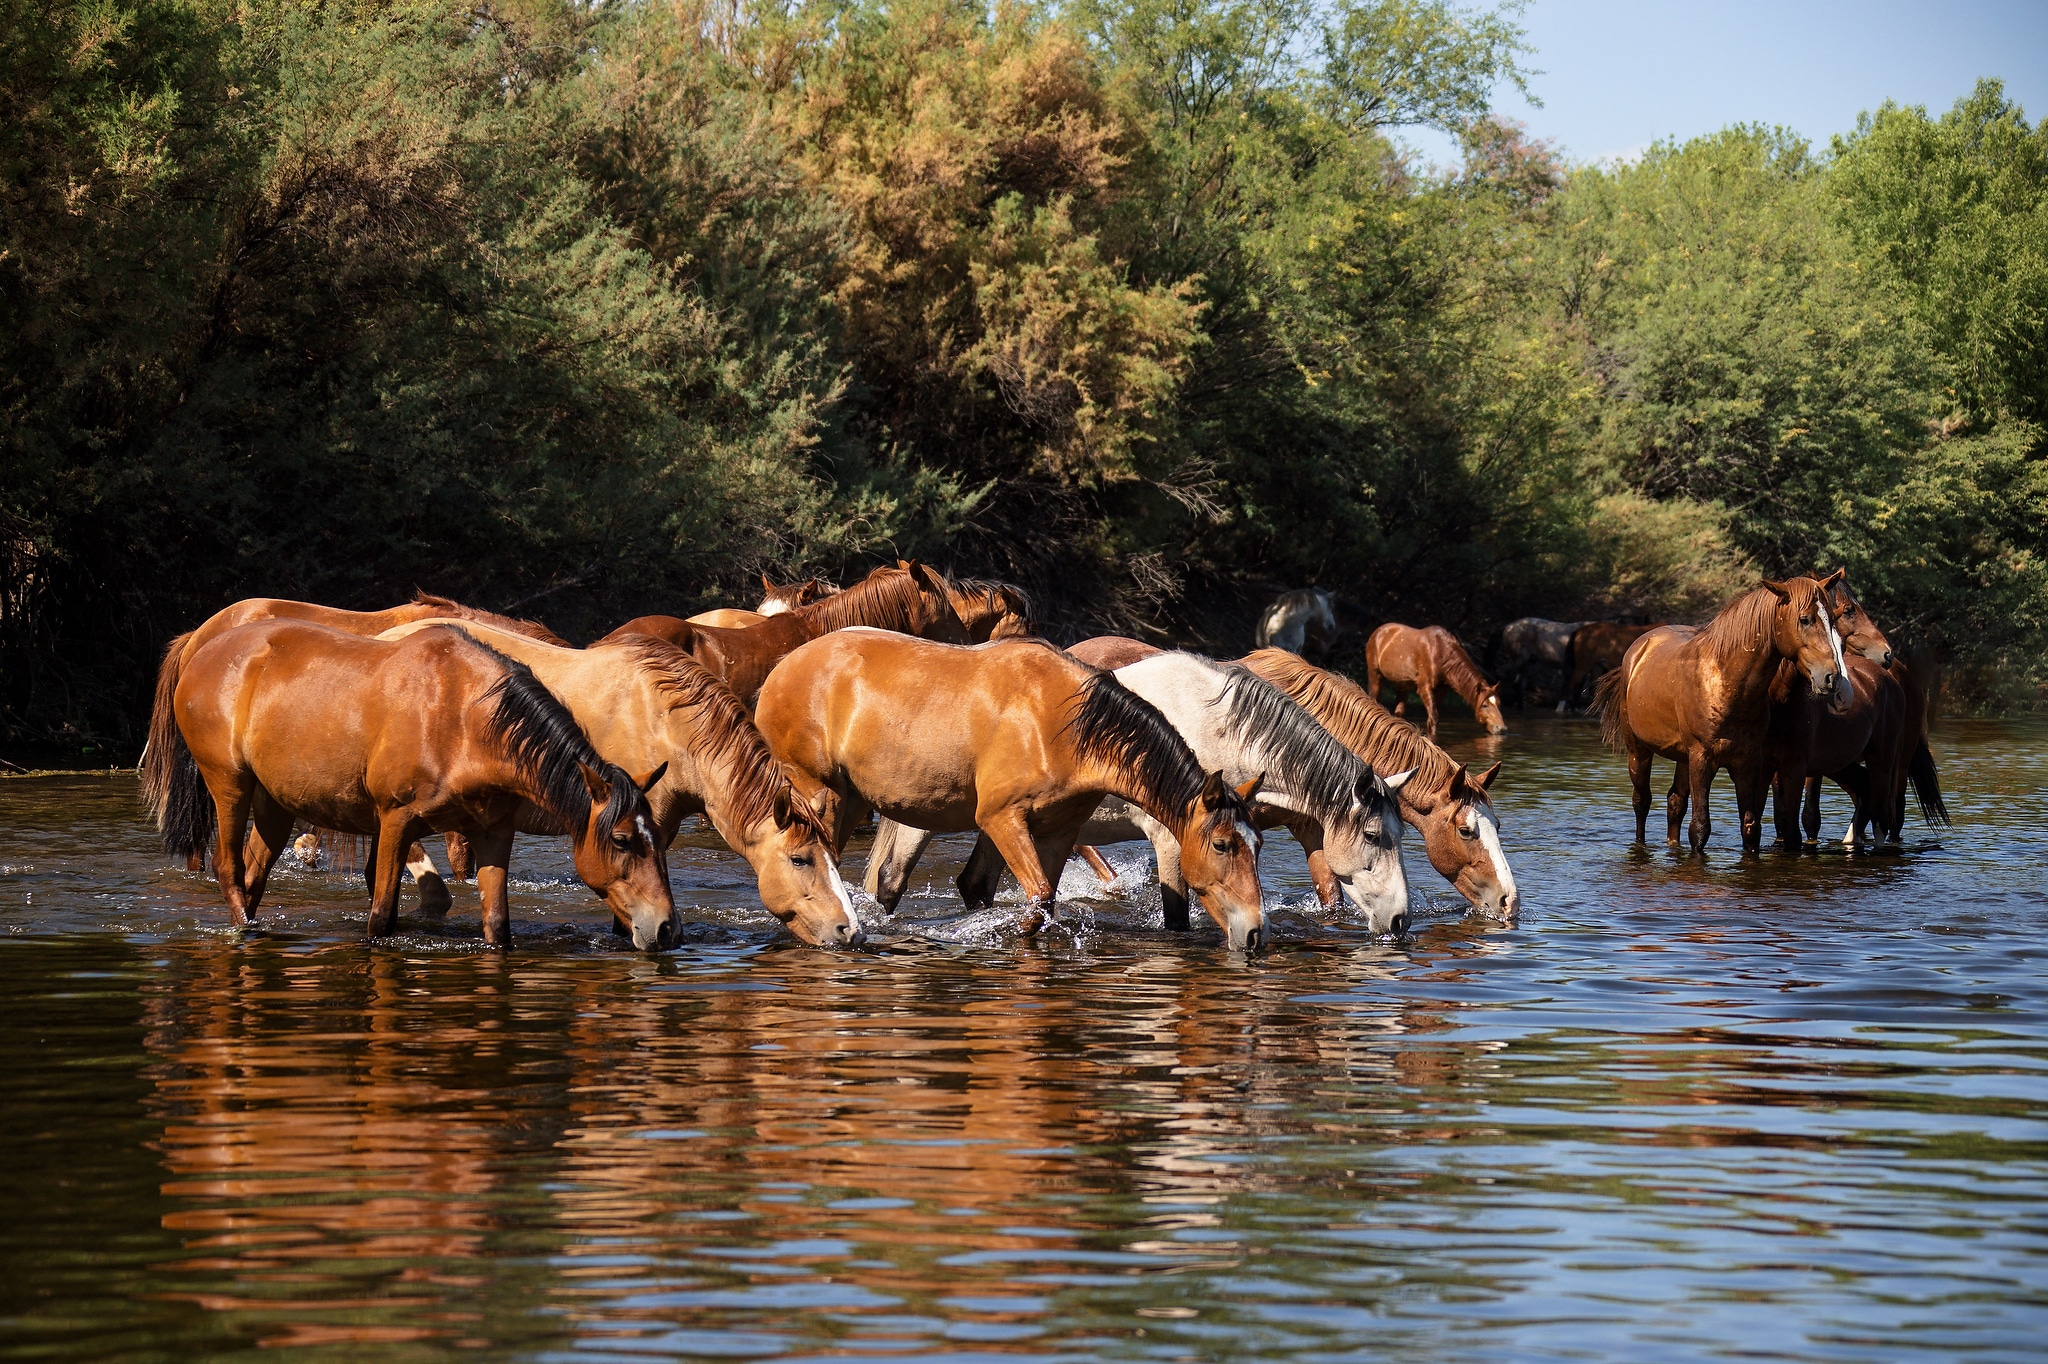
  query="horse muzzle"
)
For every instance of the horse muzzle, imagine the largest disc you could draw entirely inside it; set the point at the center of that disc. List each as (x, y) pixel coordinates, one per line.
(652, 934)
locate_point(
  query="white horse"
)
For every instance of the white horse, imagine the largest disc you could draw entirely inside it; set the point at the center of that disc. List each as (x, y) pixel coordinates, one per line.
(1287, 623)
(1244, 728)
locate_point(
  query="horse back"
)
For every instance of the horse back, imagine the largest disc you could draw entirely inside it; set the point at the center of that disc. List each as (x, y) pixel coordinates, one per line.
(328, 721)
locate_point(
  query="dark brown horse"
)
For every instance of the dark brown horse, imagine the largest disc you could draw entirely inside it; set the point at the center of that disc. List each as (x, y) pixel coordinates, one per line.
(1701, 697)
(281, 720)
(1425, 659)
(156, 771)
(1596, 648)
(909, 601)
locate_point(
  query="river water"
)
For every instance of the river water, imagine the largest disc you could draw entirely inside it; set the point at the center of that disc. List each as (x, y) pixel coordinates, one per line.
(1782, 1107)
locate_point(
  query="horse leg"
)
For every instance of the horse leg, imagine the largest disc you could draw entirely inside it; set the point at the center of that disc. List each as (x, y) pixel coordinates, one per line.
(1856, 782)
(1008, 830)
(1310, 836)
(229, 817)
(1173, 883)
(1786, 790)
(1701, 770)
(461, 864)
(1372, 679)
(1639, 758)
(982, 877)
(1809, 811)
(1426, 684)
(1675, 801)
(434, 896)
(1098, 864)
(269, 832)
(891, 859)
(493, 853)
(1750, 784)
(387, 868)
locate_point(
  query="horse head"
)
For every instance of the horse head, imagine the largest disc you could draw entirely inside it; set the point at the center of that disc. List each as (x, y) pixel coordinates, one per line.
(619, 856)
(1366, 857)
(1803, 630)
(1219, 856)
(799, 877)
(1488, 710)
(1465, 847)
(1859, 632)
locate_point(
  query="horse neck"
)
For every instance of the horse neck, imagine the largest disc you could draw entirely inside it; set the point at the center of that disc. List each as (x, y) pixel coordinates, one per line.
(1458, 670)
(1748, 659)
(716, 778)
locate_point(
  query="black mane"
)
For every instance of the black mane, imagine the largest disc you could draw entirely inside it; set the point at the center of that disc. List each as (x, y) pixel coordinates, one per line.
(1114, 725)
(1327, 775)
(543, 738)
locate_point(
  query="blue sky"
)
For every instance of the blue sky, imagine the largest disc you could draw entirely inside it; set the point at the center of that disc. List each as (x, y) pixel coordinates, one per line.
(1617, 77)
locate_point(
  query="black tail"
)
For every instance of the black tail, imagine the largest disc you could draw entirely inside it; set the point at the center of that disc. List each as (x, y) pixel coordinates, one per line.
(1927, 784)
(171, 785)
(1610, 698)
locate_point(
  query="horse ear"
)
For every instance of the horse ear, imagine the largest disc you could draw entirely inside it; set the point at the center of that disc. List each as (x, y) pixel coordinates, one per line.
(1776, 589)
(1400, 779)
(1485, 779)
(1250, 789)
(594, 782)
(1212, 792)
(784, 812)
(767, 586)
(647, 782)
(1828, 583)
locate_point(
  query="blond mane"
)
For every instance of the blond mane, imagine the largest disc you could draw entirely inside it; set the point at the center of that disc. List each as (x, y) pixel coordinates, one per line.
(532, 629)
(721, 733)
(1361, 724)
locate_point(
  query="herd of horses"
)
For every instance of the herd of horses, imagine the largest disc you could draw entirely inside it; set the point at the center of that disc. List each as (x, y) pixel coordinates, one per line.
(931, 703)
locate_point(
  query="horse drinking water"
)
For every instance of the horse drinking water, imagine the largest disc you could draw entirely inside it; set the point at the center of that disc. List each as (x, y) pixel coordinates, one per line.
(1425, 660)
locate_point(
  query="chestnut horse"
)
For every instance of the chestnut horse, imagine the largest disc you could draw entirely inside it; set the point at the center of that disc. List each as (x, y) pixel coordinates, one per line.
(643, 702)
(1701, 697)
(1426, 659)
(912, 601)
(157, 775)
(284, 720)
(1239, 726)
(1013, 738)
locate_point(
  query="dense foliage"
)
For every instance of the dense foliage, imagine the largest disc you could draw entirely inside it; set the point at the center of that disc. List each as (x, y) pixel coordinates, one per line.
(587, 309)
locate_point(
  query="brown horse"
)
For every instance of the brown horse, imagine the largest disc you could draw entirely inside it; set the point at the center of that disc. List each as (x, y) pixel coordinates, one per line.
(1426, 659)
(1859, 746)
(1442, 801)
(1013, 738)
(912, 601)
(643, 702)
(156, 771)
(1596, 648)
(1701, 697)
(283, 720)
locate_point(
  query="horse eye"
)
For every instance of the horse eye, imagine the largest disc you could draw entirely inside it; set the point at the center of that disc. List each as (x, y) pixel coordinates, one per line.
(1221, 846)
(1465, 831)
(1806, 620)
(800, 861)
(623, 842)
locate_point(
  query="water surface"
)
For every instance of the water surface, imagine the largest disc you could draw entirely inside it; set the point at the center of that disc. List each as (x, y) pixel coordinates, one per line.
(1782, 1107)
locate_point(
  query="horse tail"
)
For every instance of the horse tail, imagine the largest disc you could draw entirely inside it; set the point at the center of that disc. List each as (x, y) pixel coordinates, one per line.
(1927, 784)
(1610, 698)
(171, 785)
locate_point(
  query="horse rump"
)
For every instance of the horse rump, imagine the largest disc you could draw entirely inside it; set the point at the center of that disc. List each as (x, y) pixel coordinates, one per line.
(172, 788)
(1610, 698)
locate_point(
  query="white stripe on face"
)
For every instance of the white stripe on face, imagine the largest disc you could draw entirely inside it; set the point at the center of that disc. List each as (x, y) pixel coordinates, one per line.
(1835, 643)
(1488, 830)
(839, 889)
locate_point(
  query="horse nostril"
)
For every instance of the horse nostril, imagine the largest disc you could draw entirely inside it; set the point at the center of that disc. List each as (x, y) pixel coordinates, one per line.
(1254, 939)
(1400, 924)
(665, 936)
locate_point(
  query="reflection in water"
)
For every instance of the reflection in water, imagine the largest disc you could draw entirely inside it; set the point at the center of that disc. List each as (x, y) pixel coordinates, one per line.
(1781, 1105)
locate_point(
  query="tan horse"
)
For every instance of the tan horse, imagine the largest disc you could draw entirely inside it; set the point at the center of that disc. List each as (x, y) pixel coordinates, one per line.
(1013, 738)
(912, 601)
(1701, 696)
(643, 702)
(1443, 801)
(156, 772)
(1425, 659)
(282, 720)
